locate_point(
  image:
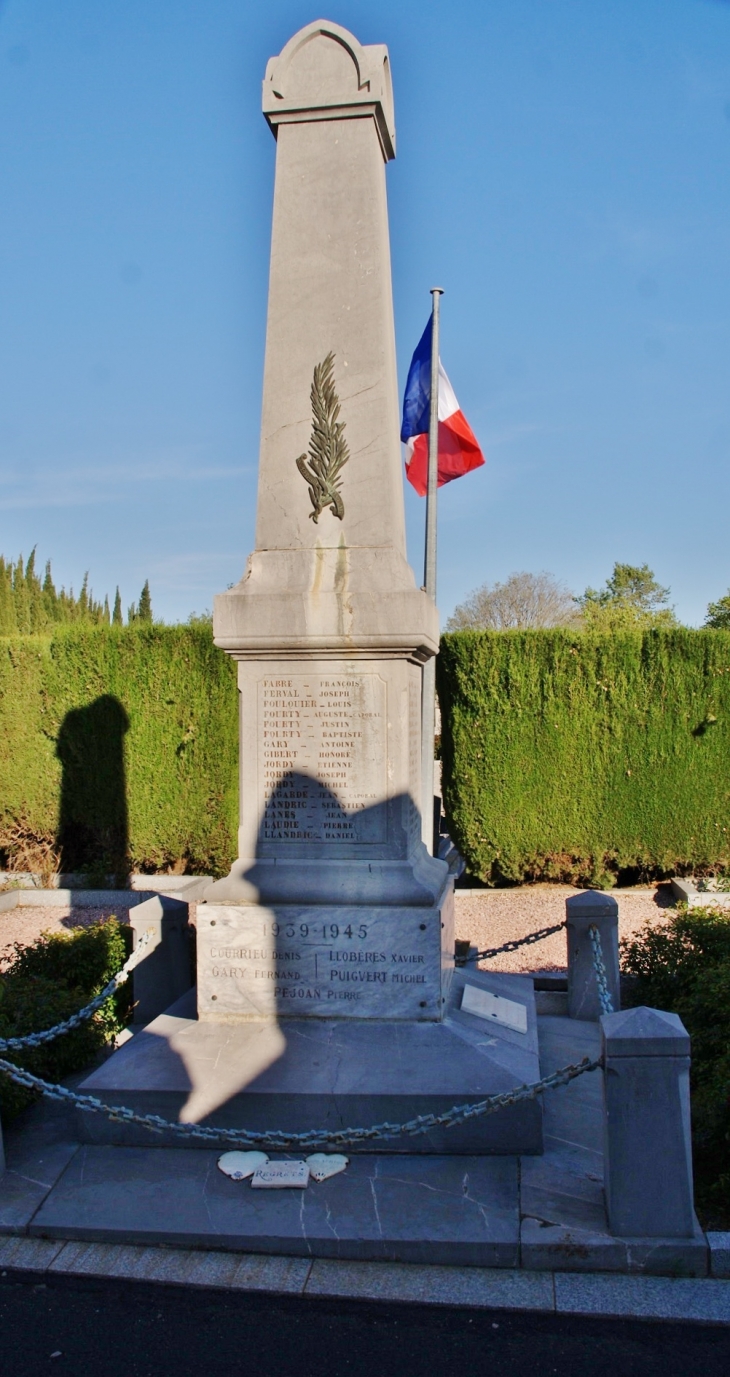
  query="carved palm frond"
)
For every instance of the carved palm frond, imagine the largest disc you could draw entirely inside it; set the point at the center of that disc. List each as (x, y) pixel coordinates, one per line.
(328, 451)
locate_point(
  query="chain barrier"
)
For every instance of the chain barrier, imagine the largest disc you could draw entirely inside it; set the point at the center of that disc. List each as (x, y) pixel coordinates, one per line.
(38, 1039)
(278, 1140)
(515, 944)
(604, 995)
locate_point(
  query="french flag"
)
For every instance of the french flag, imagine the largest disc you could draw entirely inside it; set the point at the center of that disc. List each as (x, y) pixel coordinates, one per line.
(459, 450)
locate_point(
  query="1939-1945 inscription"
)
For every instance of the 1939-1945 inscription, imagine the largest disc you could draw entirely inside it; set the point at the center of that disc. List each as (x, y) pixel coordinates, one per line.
(372, 962)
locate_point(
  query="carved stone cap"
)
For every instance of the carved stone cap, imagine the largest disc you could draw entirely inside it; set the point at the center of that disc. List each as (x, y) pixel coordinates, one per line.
(644, 1032)
(323, 73)
(592, 903)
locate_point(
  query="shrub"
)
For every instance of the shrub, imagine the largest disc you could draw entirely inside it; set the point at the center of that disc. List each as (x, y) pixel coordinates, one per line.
(45, 984)
(685, 967)
(121, 743)
(586, 757)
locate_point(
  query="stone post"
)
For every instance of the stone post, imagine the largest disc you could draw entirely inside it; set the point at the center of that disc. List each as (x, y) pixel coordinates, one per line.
(647, 1139)
(165, 973)
(583, 911)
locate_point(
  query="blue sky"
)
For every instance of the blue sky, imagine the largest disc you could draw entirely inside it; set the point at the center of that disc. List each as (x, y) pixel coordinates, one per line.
(563, 171)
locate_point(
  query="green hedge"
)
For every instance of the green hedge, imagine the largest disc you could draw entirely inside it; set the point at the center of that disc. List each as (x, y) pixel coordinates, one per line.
(586, 757)
(120, 746)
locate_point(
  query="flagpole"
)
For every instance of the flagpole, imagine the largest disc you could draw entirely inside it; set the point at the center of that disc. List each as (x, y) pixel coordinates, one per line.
(428, 687)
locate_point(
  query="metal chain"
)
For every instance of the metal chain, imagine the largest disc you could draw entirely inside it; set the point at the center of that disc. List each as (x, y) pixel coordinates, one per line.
(38, 1039)
(604, 995)
(280, 1141)
(516, 943)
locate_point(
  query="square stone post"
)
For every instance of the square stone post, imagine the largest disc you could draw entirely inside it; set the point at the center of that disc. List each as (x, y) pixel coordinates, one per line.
(583, 911)
(647, 1138)
(166, 972)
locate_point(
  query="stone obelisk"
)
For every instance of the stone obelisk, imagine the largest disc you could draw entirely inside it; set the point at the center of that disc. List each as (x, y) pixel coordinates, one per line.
(334, 907)
(326, 993)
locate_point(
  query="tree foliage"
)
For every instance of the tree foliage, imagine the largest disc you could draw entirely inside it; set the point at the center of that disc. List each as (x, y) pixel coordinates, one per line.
(630, 597)
(718, 614)
(29, 605)
(523, 602)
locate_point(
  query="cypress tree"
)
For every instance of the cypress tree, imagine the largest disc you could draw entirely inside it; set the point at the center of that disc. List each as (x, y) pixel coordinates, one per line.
(144, 610)
(117, 618)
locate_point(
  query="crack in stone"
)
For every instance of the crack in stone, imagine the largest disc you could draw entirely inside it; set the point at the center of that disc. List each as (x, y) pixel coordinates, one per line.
(373, 1193)
(32, 1179)
(302, 1221)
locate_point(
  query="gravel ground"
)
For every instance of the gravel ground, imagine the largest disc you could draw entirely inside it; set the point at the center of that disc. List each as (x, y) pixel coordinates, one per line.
(25, 925)
(489, 917)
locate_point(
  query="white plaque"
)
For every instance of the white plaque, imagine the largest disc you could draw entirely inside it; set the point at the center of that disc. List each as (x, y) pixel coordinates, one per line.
(495, 1008)
(239, 1165)
(325, 1164)
(275, 1175)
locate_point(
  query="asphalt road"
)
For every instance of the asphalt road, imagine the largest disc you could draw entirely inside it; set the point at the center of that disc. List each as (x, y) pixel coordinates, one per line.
(107, 1329)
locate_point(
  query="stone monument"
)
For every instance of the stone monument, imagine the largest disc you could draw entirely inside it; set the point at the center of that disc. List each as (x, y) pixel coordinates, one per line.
(327, 624)
(334, 918)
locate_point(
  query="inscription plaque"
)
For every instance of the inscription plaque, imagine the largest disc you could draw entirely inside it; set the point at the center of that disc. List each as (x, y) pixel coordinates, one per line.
(322, 758)
(495, 1008)
(359, 962)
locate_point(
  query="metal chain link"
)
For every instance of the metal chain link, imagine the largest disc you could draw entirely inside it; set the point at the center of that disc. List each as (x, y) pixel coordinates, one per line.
(516, 943)
(38, 1039)
(604, 995)
(280, 1141)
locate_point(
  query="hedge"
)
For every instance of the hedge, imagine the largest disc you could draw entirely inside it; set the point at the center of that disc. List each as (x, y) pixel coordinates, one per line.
(586, 757)
(120, 745)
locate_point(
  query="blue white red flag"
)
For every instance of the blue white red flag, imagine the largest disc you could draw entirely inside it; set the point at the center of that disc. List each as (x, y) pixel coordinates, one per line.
(459, 450)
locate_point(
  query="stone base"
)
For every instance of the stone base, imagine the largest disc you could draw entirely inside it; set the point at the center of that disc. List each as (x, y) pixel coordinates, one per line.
(303, 961)
(408, 1209)
(301, 1074)
(563, 1248)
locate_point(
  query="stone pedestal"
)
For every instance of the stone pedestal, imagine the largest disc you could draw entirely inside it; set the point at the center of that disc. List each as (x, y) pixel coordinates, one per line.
(647, 1131)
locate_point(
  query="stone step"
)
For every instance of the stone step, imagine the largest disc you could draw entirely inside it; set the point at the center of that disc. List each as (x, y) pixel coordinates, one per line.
(451, 1210)
(305, 1074)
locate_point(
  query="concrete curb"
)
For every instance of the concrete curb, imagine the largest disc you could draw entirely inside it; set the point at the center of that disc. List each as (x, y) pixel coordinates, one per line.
(604, 1295)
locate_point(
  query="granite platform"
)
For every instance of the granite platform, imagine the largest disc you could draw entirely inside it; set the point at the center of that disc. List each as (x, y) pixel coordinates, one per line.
(544, 1214)
(303, 1074)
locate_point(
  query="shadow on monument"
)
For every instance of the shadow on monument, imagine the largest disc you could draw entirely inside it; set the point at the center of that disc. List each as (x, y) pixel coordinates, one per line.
(93, 832)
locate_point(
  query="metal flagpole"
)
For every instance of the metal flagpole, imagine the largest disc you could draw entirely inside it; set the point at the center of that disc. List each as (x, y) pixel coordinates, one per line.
(428, 687)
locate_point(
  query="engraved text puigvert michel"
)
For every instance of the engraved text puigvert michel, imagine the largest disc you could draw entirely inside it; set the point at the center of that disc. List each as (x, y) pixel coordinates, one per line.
(328, 451)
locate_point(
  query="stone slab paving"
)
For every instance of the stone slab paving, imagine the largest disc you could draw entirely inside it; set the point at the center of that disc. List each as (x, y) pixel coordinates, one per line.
(416, 1209)
(450, 1211)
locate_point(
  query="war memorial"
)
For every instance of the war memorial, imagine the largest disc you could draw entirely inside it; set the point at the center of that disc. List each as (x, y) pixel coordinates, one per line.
(330, 1027)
